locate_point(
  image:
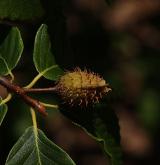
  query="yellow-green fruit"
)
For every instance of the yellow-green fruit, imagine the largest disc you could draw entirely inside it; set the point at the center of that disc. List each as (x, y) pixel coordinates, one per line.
(81, 87)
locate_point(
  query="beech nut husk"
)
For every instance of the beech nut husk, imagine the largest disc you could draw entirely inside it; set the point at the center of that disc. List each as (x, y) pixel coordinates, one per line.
(81, 88)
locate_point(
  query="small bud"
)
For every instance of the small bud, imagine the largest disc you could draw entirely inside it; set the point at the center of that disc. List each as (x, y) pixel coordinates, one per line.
(81, 87)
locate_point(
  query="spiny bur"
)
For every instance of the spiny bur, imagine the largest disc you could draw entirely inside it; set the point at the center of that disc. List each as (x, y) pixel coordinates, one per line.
(81, 88)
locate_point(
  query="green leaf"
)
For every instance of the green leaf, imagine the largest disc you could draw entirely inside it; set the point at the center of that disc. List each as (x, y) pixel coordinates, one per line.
(20, 10)
(37, 149)
(10, 51)
(43, 58)
(101, 124)
(3, 112)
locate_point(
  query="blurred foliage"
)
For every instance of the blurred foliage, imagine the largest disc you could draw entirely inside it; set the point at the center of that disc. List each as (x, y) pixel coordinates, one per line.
(125, 52)
(20, 10)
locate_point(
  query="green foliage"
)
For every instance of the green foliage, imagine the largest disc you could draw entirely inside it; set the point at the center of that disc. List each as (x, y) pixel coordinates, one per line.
(10, 51)
(35, 148)
(126, 51)
(20, 10)
(100, 123)
(43, 58)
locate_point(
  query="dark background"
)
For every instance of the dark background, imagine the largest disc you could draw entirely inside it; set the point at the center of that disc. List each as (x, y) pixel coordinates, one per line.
(121, 42)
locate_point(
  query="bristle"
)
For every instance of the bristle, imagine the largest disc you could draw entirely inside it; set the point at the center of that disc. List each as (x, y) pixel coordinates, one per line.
(81, 88)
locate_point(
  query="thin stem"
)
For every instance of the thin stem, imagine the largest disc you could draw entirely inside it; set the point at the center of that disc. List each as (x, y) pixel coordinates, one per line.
(19, 91)
(7, 99)
(35, 130)
(9, 71)
(34, 81)
(12, 76)
(34, 120)
(40, 90)
(50, 105)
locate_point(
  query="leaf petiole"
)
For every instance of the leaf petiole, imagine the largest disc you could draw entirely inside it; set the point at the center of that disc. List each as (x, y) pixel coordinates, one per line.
(35, 130)
(50, 105)
(7, 99)
(34, 81)
(34, 120)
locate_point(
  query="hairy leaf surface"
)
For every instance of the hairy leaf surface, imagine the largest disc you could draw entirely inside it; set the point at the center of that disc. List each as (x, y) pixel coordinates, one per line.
(35, 148)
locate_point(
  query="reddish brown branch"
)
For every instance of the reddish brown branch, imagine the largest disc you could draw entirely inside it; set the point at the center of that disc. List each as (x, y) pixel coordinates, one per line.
(40, 90)
(21, 92)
